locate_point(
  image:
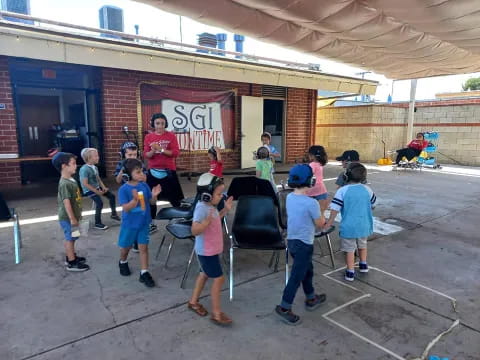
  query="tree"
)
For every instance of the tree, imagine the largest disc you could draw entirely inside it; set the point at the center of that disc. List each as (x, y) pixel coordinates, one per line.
(471, 84)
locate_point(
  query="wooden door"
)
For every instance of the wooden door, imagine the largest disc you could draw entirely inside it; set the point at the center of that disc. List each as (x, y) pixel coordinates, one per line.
(252, 128)
(37, 115)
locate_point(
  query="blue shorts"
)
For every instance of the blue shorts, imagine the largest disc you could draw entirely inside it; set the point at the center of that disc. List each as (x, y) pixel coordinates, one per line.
(323, 196)
(210, 266)
(67, 230)
(128, 236)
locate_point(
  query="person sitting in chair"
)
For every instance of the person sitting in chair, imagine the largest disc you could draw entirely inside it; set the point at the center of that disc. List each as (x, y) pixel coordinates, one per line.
(414, 148)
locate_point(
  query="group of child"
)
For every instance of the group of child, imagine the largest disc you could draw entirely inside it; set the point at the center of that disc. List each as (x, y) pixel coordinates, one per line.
(305, 208)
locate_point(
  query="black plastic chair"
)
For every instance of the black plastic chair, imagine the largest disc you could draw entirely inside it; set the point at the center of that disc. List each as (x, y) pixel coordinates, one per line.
(256, 227)
(282, 198)
(174, 214)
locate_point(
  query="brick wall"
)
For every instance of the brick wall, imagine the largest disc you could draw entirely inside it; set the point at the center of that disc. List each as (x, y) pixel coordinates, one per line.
(9, 171)
(119, 99)
(364, 127)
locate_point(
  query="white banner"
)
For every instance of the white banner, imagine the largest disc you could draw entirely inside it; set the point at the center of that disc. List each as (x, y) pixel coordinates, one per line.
(197, 126)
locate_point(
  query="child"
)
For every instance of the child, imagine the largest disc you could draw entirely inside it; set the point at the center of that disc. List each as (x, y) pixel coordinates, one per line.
(264, 166)
(69, 208)
(207, 229)
(94, 188)
(348, 157)
(134, 197)
(216, 163)
(266, 140)
(128, 150)
(303, 216)
(355, 201)
(318, 158)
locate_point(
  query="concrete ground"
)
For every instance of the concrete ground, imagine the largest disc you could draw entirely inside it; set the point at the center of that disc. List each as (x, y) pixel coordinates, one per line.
(420, 297)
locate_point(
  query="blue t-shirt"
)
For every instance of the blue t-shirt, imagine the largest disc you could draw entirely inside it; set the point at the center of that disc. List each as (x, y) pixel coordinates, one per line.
(91, 173)
(136, 218)
(210, 241)
(302, 211)
(355, 203)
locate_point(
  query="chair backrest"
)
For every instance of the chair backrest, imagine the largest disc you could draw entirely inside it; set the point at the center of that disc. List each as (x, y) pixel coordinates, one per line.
(4, 210)
(255, 224)
(251, 185)
(282, 207)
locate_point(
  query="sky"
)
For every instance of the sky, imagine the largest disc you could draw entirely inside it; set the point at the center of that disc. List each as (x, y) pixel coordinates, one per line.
(166, 26)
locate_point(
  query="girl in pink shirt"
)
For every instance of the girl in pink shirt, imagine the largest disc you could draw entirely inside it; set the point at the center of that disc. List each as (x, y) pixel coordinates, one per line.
(318, 158)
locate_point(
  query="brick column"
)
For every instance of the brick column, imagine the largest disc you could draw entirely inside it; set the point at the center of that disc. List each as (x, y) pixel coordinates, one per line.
(9, 172)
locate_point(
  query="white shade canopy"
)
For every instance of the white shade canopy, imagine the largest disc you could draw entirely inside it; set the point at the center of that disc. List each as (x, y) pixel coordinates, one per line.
(401, 39)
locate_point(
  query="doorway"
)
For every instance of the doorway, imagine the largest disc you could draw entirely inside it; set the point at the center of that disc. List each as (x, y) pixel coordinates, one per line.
(273, 118)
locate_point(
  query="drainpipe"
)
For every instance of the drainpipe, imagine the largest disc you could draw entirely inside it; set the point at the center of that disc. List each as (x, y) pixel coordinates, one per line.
(411, 110)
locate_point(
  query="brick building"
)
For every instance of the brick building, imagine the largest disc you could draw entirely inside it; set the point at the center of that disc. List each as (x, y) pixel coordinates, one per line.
(71, 90)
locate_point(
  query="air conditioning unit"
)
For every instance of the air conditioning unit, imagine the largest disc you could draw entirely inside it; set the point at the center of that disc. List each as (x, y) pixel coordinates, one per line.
(111, 18)
(19, 7)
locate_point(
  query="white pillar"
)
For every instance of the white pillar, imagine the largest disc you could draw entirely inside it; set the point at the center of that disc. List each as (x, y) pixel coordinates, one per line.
(411, 110)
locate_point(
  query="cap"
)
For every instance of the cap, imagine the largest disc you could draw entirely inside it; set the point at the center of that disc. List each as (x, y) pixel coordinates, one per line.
(349, 155)
(300, 174)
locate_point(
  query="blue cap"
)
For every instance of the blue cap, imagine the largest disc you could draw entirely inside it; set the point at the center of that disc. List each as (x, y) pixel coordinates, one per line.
(300, 174)
(56, 156)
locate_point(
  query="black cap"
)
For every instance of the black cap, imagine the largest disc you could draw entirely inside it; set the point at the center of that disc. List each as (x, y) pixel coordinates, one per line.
(349, 155)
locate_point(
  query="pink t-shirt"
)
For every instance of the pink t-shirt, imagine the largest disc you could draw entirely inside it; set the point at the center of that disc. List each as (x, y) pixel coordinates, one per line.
(319, 187)
(210, 242)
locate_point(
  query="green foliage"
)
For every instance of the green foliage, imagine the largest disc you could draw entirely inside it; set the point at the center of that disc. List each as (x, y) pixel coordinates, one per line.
(471, 84)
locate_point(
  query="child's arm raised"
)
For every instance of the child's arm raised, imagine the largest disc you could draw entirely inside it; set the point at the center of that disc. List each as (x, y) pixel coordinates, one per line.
(219, 154)
(199, 227)
(69, 210)
(132, 203)
(227, 208)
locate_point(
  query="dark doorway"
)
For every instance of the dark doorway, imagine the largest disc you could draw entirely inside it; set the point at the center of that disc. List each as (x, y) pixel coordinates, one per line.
(273, 122)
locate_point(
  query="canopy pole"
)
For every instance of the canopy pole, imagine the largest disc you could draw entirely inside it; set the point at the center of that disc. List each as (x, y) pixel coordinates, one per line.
(411, 110)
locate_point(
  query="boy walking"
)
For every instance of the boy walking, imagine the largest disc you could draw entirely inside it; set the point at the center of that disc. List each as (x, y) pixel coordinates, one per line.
(303, 216)
(134, 197)
(207, 229)
(355, 202)
(69, 208)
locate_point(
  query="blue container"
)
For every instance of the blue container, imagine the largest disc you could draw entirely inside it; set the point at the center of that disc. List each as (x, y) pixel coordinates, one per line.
(430, 149)
(430, 135)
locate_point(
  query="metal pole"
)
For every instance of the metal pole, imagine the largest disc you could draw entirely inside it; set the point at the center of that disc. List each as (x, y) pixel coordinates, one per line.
(181, 33)
(411, 110)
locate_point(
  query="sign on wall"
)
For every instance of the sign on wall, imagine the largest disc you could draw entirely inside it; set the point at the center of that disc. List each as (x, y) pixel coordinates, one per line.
(199, 118)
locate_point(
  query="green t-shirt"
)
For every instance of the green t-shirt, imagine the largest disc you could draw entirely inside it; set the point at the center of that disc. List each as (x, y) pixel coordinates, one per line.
(265, 168)
(68, 189)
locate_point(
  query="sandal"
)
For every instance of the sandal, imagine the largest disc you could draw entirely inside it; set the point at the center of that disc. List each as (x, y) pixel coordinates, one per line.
(198, 309)
(221, 319)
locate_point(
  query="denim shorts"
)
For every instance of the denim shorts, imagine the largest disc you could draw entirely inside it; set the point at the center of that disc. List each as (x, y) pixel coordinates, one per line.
(210, 266)
(67, 230)
(128, 236)
(323, 196)
(349, 245)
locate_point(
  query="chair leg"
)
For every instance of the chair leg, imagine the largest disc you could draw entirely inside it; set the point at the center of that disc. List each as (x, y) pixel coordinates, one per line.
(270, 263)
(277, 258)
(225, 265)
(330, 249)
(160, 247)
(169, 252)
(286, 267)
(17, 238)
(187, 270)
(231, 273)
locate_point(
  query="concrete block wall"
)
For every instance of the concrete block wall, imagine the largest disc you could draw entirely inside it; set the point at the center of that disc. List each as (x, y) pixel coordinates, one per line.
(364, 127)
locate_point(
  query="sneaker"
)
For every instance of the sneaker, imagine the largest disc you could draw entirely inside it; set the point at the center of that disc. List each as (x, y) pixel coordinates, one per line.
(287, 316)
(146, 278)
(101, 227)
(135, 247)
(124, 269)
(363, 268)
(77, 266)
(313, 304)
(116, 217)
(349, 275)
(153, 228)
(78, 258)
